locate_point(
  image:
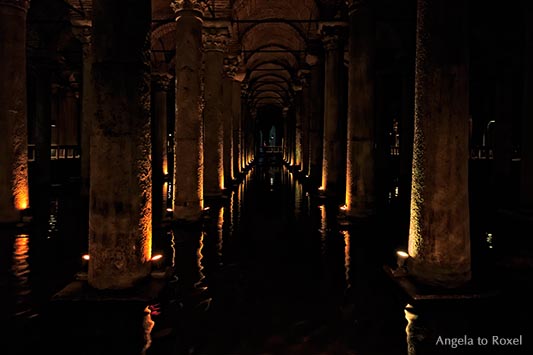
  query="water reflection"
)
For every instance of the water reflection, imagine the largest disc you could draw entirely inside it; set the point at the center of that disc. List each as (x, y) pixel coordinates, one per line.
(148, 325)
(21, 272)
(53, 219)
(200, 283)
(347, 277)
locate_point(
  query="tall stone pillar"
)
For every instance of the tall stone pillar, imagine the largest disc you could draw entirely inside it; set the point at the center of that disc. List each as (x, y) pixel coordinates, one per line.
(332, 166)
(439, 233)
(245, 115)
(360, 185)
(215, 36)
(188, 146)
(526, 161)
(305, 120)
(82, 31)
(120, 209)
(230, 69)
(298, 133)
(68, 115)
(316, 125)
(236, 110)
(160, 86)
(14, 190)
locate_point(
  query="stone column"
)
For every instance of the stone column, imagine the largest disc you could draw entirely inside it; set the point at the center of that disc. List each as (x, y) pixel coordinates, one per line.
(298, 134)
(332, 35)
(360, 186)
(526, 161)
(316, 124)
(230, 69)
(305, 119)
(160, 86)
(215, 36)
(41, 78)
(14, 190)
(236, 110)
(244, 119)
(120, 209)
(82, 31)
(439, 233)
(68, 116)
(188, 146)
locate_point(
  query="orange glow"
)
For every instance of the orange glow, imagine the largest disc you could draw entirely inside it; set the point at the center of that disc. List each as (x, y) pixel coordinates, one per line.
(22, 200)
(347, 260)
(20, 189)
(86, 257)
(200, 256)
(343, 208)
(220, 231)
(157, 257)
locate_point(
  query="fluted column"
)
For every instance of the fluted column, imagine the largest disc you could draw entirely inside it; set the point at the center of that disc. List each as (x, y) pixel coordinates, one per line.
(188, 146)
(439, 235)
(120, 210)
(160, 86)
(215, 36)
(360, 186)
(82, 31)
(14, 190)
(333, 38)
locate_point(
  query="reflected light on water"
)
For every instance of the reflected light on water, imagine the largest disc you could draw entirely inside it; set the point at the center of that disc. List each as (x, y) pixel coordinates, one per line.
(323, 229)
(220, 234)
(148, 325)
(172, 248)
(347, 260)
(199, 259)
(21, 271)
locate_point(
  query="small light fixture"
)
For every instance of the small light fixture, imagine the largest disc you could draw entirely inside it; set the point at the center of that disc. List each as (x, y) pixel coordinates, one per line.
(86, 257)
(157, 257)
(344, 208)
(169, 209)
(401, 258)
(207, 208)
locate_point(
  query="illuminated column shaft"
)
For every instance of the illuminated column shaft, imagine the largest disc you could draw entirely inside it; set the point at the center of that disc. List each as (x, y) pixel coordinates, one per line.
(227, 93)
(13, 121)
(298, 134)
(236, 110)
(160, 86)
(526, 161)
(243, 118)
(439, 234)
(214, 43)
(305, 114)
(120, 231)
(360, 195)
(316, 123)
(331, 162)
(188, 148)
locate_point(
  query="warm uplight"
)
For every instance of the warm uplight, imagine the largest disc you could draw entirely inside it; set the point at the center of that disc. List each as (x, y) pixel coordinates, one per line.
(321, 188)
(344, 208)
(401, 258)
(169, 209)
(207, 208)
(157, 257)
(86, 257)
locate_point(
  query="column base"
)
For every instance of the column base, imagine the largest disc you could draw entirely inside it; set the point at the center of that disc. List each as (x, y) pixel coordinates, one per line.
(447, 277)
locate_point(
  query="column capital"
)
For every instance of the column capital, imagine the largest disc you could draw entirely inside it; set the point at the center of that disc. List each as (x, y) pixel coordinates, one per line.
(161, 81)
(82, 30)
(215, 35)
(20, 4)
(333, 33)
(231, 65)
(183, 5)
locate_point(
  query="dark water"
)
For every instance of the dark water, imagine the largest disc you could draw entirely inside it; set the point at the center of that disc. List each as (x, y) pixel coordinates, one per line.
(270, 271)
